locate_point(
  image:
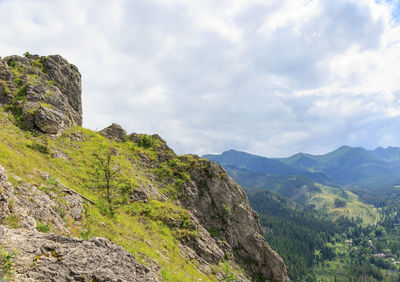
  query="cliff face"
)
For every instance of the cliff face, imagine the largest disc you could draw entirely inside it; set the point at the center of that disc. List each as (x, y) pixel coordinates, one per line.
(221, 206)
(181, 216)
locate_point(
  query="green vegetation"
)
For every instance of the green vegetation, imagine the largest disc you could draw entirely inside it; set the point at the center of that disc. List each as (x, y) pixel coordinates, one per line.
(337, 202)
(5, 87)
(152, 230)
(317, 246)
(109, 177)
(146, 141)
(12, 220)
(7, 261)
(42, 227)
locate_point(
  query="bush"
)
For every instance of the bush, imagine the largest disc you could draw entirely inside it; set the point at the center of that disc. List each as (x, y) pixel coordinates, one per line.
(146, 141)
(41, 227)
(7, 262)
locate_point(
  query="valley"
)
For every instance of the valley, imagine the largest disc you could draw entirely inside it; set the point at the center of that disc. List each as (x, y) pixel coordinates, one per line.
(344, 228)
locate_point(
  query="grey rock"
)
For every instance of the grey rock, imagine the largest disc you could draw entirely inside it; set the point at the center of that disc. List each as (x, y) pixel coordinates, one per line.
(5, 73)
(6, 96)
(140, 194)
(51, 87)
(48, 120)
(51, 257)
(219, 204)
(68, 78)
(28, 110)
(29, 204)
(3, 175)
(60, 155)
(114, 132)
(134, 137)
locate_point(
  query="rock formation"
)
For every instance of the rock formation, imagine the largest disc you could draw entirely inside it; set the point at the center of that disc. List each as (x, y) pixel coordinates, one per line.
(221, 205)
(114, 132)
(43, 92)
(52, 257)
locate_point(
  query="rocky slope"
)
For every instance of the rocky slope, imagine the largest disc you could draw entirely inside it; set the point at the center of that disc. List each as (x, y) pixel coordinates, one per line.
(52, 257)
(182, 217)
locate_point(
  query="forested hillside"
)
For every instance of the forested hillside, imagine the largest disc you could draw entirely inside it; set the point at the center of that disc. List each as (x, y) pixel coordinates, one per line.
(325, 232)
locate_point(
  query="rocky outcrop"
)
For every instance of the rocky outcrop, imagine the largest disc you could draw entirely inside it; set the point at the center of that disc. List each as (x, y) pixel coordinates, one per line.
(221, 207)
(45, 92)
(114, 132)
(27, 205)
(51, 257)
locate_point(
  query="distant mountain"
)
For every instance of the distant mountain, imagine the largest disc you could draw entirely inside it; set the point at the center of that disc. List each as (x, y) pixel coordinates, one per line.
(252, 163)
(256, 167)
(390, 153)
(345, 166)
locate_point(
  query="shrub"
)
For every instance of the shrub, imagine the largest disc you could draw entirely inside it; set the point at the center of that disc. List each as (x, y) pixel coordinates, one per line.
(146, 141)
(41, 227)
(7, 262)
(13, 220)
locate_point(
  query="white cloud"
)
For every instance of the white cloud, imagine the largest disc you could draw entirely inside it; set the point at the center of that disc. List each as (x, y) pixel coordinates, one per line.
(268, 77)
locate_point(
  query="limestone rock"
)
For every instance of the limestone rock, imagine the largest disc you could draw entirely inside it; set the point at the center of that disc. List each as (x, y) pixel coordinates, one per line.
(114, 132)
(51, 257)
(31, 205)
(221, 205)
(50, 88)
(48, 120)
(3, 175)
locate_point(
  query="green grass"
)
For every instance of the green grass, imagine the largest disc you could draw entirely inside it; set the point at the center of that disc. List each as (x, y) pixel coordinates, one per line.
(41, 227)
(150, 231)
(354, 208)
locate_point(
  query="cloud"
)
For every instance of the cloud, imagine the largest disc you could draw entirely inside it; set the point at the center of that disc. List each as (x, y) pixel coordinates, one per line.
(269, 77)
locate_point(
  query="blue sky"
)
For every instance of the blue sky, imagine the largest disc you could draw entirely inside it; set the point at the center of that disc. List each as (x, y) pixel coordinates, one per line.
(268, 77)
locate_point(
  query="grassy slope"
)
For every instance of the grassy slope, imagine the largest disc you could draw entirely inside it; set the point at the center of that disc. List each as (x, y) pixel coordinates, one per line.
(325, 201)
(145, 234)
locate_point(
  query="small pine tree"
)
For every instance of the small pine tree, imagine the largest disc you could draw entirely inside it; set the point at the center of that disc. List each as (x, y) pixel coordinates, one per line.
(108, 175)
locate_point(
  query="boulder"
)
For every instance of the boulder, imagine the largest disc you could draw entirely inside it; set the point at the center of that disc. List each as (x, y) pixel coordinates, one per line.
(49, 120)
(114, 132)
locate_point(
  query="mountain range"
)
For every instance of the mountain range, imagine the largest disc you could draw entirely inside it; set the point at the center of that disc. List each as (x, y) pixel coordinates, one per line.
(345, 166)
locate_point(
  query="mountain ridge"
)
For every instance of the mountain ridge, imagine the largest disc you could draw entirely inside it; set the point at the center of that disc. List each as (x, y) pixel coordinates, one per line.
(344, 166)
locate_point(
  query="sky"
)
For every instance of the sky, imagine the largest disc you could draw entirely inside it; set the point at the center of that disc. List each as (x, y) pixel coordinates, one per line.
(271, 78)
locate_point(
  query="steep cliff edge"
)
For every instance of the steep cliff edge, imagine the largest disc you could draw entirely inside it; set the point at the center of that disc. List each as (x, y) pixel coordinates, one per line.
(181, 217)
